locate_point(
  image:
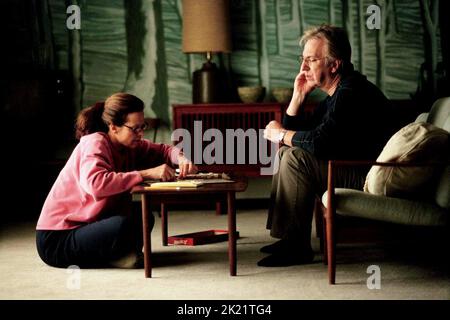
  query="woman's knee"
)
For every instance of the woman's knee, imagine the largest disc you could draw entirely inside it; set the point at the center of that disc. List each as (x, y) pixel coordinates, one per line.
(126, 226)
(129, 228)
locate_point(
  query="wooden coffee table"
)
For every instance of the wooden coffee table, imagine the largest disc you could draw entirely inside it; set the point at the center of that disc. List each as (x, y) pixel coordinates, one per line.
(227, 191)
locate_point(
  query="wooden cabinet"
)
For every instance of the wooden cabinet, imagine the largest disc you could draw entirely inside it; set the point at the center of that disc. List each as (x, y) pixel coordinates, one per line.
(240, 126)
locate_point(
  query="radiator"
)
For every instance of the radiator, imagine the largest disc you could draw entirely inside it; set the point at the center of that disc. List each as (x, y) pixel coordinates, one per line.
(242, 120)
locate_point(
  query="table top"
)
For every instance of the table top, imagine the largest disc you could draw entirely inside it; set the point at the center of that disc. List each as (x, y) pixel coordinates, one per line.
(240, 184)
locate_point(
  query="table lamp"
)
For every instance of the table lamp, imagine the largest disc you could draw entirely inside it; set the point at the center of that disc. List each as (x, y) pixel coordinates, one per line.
(206, 29)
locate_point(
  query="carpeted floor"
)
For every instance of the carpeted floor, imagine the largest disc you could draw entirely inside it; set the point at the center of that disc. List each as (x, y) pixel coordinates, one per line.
(202, 272)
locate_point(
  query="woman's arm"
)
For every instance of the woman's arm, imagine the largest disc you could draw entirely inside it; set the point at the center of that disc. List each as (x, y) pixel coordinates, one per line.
(162, 158)
(97, 175)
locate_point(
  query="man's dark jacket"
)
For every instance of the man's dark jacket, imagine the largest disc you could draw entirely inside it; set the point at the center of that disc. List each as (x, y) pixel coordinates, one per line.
(353, 123)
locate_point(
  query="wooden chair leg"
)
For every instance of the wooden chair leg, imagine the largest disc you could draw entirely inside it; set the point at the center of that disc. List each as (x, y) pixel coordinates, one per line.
(324, 230)
(164, 226)
(330, 214)
(331, 254)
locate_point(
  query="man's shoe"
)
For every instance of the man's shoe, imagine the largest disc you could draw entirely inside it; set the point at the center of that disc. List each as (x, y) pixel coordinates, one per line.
(274, 247)
(286, 260)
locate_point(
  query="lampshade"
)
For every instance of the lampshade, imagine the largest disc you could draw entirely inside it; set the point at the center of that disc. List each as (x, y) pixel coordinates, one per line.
(206, 26)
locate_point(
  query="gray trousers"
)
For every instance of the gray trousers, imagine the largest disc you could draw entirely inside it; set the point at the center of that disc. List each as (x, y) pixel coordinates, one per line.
(299, 179)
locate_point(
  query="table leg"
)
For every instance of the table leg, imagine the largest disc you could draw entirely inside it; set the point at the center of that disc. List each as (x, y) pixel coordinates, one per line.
(231, 232)
(218, 208)
(164, 228)
(147, 238)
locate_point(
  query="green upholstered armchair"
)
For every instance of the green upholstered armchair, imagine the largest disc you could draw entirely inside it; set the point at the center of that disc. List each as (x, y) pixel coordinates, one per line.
(357, 203)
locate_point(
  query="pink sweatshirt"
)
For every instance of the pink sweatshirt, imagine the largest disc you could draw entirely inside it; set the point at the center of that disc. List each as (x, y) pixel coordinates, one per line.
(96, 180)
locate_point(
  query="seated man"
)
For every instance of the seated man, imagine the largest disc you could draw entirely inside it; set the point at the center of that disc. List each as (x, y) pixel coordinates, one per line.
(350, 123)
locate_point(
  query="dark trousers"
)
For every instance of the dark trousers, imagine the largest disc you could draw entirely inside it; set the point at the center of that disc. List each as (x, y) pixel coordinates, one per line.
(92, 245)
(299, 179)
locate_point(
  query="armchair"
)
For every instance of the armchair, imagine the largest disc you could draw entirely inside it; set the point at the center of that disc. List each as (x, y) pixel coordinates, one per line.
(356, 203)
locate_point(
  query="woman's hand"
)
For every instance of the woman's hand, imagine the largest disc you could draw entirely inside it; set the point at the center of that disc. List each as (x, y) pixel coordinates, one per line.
(163, 172)
(186, 166)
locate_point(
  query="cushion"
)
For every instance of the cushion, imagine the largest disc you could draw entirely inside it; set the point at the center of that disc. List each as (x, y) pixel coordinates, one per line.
(355, 203)
(417, 142)
(440, 112)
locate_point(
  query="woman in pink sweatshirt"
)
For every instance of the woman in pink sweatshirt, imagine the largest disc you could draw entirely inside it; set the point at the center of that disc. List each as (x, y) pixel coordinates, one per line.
(87, 218)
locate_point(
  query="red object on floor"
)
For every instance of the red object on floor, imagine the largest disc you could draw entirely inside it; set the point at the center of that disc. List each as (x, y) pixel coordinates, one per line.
(198, 238)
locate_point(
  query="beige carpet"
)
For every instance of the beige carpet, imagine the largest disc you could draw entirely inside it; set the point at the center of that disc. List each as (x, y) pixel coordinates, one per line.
(202, 272)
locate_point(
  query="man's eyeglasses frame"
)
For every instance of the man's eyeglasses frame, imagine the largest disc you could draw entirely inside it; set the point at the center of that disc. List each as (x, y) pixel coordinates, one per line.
(309, 60)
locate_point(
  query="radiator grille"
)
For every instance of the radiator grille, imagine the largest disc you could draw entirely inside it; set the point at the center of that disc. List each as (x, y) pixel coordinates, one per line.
(223, 117)
(223, 121)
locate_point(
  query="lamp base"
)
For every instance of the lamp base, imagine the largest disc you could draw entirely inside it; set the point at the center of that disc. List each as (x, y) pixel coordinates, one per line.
(206, 84)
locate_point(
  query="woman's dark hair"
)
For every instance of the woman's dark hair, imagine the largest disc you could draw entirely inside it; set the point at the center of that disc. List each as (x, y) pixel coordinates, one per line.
(113, 110)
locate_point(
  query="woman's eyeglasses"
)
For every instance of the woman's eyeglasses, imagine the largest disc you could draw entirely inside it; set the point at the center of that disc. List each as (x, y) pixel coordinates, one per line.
(137, 129)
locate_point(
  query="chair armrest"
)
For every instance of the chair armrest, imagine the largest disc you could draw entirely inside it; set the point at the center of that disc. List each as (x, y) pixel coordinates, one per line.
(332, 164)
(338, 163)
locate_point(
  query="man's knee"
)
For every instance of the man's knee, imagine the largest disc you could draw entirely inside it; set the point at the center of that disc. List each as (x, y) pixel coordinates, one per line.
(299, 161)
(282, 151)
(301, 154)
(293, 156)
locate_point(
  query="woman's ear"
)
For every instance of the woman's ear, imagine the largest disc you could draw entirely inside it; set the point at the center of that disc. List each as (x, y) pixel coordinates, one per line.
(113, 128)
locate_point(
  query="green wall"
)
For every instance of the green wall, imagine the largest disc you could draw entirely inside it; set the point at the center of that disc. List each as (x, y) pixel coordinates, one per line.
(135, 46)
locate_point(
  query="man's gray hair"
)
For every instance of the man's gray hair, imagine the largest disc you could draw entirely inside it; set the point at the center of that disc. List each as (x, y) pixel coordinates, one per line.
(338, 44)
